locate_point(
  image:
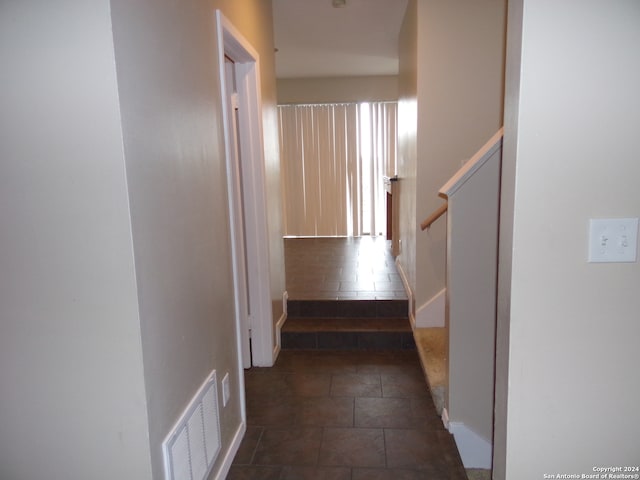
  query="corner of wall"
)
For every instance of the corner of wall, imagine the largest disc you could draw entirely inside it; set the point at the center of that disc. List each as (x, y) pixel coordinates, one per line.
(432, 313)
(409, 291)
(475, 450)
(230, 454)
(277, 331)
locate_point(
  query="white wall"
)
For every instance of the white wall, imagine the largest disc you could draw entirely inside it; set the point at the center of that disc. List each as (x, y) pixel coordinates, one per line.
(472, 248)
(73, 397)
(568, 330)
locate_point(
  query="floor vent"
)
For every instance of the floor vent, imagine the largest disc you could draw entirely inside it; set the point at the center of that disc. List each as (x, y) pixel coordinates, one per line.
(194, 442)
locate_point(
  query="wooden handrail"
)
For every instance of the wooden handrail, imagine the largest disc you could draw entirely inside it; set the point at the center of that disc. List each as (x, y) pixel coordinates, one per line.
(434, 216)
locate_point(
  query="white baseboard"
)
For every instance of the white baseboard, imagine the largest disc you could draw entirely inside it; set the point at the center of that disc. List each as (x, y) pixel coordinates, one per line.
(475, 450)
(445, 418)
(432, 313)
(279, 323)
(285, 298)
(409, 292)
(225, 466)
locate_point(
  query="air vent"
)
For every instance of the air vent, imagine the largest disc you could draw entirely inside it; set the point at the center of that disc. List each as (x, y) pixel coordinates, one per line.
(194, 443)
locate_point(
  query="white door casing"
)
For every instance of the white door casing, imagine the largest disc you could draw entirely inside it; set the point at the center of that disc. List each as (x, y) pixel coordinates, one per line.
(246, 183)
(237, 220)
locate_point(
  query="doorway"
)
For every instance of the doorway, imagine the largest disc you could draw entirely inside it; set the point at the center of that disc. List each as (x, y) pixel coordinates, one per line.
(239, 83)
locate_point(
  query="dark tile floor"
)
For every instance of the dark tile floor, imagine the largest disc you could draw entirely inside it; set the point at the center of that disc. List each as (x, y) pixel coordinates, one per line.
(353, 268)
(344, 293)
(343, 415)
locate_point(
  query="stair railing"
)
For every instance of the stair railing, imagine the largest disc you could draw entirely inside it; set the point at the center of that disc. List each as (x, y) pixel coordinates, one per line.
(437, 213)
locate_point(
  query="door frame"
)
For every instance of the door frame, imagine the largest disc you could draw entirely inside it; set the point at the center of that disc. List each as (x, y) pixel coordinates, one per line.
(246, 60)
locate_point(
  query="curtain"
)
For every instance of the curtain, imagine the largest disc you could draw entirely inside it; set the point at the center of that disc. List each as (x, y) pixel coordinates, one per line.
(378, 142)
(333, 157)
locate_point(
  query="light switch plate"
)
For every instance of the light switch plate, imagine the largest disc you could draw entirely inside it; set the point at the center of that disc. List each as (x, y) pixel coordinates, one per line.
(613, 240)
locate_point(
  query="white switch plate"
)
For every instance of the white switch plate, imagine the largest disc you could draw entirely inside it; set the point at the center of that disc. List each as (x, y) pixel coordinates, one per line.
(613, 240)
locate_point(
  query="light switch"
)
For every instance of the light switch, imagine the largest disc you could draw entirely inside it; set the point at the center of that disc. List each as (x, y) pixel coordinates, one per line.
(613, 240)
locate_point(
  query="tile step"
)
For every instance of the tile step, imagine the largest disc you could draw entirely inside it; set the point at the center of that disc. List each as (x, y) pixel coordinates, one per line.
(305, 324)
(343, 340)
(348, 308)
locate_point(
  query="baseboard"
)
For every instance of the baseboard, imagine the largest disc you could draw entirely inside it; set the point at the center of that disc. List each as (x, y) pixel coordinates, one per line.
(432, 313)
(445, 418)
(475, 450)
(285, 299)
(225, 465)
(279, 324)
(409, 292)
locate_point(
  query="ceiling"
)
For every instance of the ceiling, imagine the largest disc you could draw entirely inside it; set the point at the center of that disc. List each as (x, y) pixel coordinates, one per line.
(314, 39)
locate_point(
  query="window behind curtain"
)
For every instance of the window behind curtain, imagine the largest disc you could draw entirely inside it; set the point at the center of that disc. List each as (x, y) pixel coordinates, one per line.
(333, 157)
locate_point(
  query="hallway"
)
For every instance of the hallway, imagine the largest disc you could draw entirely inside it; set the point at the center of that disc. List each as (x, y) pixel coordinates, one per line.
(345, 410)
(343, 416)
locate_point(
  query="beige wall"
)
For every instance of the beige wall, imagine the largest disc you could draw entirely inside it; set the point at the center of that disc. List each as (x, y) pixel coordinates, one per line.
(570, 332)
(337, 89)
(407, 138)
(458, 67)
(451, 96)
(177, 181)
(460, 97)
(73, 397)
(117, 299)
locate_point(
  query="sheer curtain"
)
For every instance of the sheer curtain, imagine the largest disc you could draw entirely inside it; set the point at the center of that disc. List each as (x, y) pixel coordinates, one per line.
(333, 157)
(378, 135)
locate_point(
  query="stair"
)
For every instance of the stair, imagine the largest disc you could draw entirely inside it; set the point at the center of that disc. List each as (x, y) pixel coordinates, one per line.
(347, 325)
(344, 294)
